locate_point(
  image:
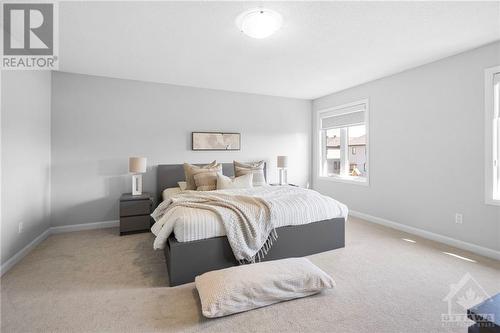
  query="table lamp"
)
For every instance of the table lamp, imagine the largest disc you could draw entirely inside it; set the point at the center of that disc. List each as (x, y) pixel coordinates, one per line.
(137, 166)
(282, 165)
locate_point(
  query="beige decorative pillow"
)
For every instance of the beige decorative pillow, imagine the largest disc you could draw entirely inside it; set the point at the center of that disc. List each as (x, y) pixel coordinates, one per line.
(256, 168)
(190, 170)
(224, 183)
(182, 185)
(206, 181)
(246, 287)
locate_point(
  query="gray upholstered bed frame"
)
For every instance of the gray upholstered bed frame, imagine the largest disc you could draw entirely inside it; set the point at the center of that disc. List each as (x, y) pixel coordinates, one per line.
(185, 260)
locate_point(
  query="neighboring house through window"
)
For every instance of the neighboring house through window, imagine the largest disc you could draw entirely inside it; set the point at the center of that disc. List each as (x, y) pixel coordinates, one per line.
(343, 138)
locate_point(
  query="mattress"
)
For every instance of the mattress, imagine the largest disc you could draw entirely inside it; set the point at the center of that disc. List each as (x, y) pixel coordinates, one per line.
(191, 224)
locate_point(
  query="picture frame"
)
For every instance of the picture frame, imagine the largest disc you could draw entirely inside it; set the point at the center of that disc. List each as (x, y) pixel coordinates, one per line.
(215, 141)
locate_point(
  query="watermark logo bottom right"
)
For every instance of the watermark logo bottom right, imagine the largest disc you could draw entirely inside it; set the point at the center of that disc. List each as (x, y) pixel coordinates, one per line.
(462, 296)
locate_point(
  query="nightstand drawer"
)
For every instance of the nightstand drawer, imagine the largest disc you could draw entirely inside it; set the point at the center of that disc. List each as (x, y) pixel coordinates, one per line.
(135, 223)
(136, 207)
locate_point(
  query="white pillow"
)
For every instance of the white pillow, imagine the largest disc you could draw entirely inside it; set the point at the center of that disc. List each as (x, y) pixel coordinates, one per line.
(246, 287)
(182, 185)
(257, 168)
(224, 182)
(170, 192)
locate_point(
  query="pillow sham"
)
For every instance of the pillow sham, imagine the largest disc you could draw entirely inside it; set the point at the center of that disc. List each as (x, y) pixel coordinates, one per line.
(206, 181)
(224, 182)
(256, 168)
(182, 185)
(246, 287)
(190, 170)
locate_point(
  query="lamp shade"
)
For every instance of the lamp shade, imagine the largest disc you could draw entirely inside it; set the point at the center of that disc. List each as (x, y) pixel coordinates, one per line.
(137, 164)
(282, 161)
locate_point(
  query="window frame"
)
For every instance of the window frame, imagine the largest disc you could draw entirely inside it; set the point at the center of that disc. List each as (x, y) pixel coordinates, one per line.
(490, 135)
(363, 181)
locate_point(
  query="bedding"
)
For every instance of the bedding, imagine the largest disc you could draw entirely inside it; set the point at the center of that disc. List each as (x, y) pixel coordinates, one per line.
(206, 181)
(226, 183)
(242, 288)
(248, 220)
(190, 170)
(170, 192)
(255, 168)
(292, 206)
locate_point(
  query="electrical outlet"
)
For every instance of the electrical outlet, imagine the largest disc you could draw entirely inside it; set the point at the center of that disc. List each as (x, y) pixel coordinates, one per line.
(458, 218)
(21, 227)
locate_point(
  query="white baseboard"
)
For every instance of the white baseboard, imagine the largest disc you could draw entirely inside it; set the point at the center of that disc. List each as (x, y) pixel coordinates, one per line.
(24, 251)
(484, 251)
(53, 230)
(84, 226)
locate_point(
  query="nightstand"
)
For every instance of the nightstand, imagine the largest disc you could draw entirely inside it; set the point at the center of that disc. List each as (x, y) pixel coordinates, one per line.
(135, 212)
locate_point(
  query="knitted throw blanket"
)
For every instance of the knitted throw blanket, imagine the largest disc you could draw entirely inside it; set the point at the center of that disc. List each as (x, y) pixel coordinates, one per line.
(248, 220)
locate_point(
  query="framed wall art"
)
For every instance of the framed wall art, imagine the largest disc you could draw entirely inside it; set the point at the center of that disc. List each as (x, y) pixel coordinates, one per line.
(216, 141)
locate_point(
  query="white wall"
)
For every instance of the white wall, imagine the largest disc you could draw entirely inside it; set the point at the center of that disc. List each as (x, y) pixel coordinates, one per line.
(25, 143)
(426, 148)
(97, 123)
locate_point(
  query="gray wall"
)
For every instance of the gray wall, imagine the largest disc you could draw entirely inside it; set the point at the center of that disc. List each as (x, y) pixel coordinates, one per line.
(97, 123)
(427, 148)
(25, 142)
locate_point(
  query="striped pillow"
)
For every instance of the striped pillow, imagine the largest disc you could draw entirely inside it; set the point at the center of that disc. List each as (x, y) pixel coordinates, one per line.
(207, 180)
(256, 168)
(190, 170)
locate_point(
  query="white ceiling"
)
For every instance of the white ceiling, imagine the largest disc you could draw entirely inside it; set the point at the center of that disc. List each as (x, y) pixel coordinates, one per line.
(322, 47)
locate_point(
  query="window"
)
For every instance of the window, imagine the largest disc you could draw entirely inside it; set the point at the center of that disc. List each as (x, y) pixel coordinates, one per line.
(492, 131)
(343, 138)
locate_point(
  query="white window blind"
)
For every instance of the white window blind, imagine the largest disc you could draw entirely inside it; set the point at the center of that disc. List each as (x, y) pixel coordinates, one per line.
(352, 115)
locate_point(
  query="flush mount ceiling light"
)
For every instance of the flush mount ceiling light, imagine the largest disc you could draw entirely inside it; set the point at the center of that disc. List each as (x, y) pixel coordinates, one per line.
(259, 22)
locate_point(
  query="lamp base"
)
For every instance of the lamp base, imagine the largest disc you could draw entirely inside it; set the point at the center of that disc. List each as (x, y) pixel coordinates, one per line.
(137, 184)
(283, 176)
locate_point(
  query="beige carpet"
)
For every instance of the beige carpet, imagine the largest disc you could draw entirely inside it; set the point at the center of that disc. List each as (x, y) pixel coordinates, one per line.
(96, 281)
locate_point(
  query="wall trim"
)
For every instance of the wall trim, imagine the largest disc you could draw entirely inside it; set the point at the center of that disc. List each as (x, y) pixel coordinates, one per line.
(483, 251)
(24, 251)
(490, 253)
(50, 231)
(84, 226)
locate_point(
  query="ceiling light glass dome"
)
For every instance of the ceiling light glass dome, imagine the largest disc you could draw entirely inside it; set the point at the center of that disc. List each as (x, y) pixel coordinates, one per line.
(259, 22)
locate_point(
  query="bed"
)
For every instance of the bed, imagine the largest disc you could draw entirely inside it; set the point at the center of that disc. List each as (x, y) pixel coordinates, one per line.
(201, 253)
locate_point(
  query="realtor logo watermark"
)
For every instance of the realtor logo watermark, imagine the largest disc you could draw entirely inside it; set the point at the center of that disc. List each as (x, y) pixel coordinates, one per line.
(462, 296)
(29, 36)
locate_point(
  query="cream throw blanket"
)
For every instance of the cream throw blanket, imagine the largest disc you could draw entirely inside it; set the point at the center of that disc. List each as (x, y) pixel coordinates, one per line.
(248, 220)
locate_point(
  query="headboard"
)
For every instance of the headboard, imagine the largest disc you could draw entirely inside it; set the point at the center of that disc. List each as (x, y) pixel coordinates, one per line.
(170, 174)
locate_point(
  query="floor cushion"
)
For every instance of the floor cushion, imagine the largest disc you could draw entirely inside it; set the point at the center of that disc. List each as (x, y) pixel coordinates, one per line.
(245, 287)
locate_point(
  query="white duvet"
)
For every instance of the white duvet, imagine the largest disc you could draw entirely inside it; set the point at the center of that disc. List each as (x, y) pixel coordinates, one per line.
(190, 224)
